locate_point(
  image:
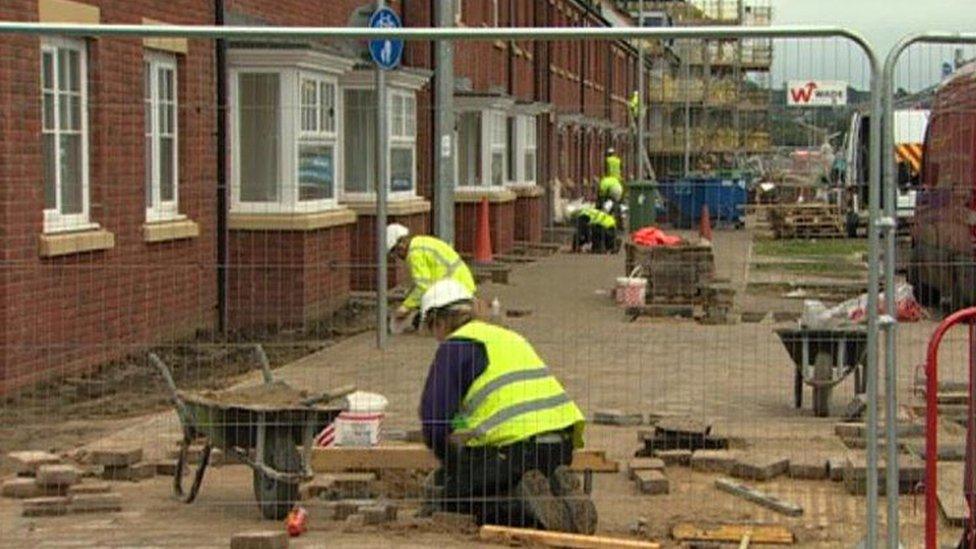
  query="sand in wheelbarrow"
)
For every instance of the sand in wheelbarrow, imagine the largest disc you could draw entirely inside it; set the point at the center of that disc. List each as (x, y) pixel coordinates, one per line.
(277, 394)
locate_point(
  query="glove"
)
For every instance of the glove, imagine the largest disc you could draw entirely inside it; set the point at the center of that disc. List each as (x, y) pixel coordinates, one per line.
(607, 206)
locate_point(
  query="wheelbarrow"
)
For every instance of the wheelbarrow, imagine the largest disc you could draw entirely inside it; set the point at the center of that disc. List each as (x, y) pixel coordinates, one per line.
(264, 437)
(824, 357)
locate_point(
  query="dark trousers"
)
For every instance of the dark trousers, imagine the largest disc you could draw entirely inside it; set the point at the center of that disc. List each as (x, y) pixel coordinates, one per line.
(481, 481)
(604, 240)
(582, 236)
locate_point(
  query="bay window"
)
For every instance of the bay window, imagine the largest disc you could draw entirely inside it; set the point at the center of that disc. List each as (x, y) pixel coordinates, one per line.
(483, 148)
(497, 147)
(528, 149)
(160, 117)
(64, 130)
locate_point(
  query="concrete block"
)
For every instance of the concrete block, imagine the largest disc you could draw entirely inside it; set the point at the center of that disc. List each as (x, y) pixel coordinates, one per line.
(195, 453)
(45, 507)
(713, 461)
(809, 468)
(356, 519)
(26, 463)
(674, 457)
(759, 467)
(21, 488)
(116, 457)
(89, 488)
(848, 430)
(259, 540)
(644, 464)
(58, 475)
(617, 417)
(458, 521)
(911, 473)
(95, 503)
(134, 473)
(350, 485)
(835, 468)
(651, 482)
(378, 514)
(166, 468)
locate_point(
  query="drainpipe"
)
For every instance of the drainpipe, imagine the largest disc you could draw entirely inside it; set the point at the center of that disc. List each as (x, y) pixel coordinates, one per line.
(223, 234)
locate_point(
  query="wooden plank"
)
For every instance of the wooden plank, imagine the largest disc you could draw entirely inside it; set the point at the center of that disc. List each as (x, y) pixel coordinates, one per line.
(418, 457)
(759, 498)
(952, 502)
(509, 536)
(733, 533)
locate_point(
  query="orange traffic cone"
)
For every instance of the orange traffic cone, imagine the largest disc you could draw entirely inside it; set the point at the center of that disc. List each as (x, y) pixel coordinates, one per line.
(482, 243)
(705, 225)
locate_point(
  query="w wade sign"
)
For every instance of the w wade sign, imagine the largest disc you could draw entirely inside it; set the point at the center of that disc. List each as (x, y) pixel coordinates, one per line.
(816, 93)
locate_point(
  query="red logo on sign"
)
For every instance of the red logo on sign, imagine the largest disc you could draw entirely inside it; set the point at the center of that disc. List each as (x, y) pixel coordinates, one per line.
(803, 94)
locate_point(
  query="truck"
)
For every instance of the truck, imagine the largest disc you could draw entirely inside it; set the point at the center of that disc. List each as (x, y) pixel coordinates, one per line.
(909, 132)
(944, 236)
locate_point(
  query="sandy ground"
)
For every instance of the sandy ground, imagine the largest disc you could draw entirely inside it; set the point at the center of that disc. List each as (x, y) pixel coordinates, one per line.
(738, 377)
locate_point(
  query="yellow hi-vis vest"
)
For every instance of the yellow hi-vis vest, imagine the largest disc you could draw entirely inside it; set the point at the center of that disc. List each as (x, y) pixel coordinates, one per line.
(431, 259)
(607, 184)
(614, 166)
(603, 219)
(516, 397)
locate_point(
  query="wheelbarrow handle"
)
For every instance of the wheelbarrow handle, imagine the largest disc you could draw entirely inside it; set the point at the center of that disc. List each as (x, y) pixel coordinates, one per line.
(265, 363)
(330, 395)
(164, 371)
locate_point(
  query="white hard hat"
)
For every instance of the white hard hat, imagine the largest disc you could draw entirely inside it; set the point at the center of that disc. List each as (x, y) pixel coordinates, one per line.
(444, 293)
(394, 232)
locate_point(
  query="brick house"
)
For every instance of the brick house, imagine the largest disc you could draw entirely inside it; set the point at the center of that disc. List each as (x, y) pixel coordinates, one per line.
(111, 158)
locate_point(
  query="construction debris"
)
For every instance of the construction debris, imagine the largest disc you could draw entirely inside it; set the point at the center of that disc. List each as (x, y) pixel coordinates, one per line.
(21, 488)
(758, 497)
(457, 521)
(911, 473)
(95, 503)
(674, 457)
(58, 475)
(651, 482)
(644, 464)
(713, 461)
(89, 488)
(26, 463)
(759, 467)
(617, 417)
(517, 536)
(259, 540)
(45, 507)
(135, 472)
(119, 457)
(809, 468)
(734, 533)
(679, 433)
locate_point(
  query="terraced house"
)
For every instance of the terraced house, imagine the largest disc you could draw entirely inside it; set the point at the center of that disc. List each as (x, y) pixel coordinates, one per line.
(159, 188)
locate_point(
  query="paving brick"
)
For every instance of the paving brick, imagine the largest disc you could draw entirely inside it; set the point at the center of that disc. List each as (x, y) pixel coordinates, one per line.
(349, 485)
(135, 472)
(58, 475)
(26, 463)
(644, 464)
(911, 472)
(21, 488)
(759, 467)
(95, 503)
(809, 468)
(356, 519)
(848, 430)
(377, 514)
(259, 540)
(835, 468)
(713, 461)
(166, 468)
(116, 457)
(674, 457)
(45, 507)
(617, 417)
(459, 521)
(651, 482)
(89, 488)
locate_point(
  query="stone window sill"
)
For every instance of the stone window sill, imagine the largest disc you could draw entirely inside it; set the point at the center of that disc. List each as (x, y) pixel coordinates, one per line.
(495, 195)
(59, 244)
(526, 190)
(165, 231)
(410, 206)
(292, 221)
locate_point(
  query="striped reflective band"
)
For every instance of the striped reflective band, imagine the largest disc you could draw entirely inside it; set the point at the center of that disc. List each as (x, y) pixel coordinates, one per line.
(502, 381)
(523, 408)
(910, 153)
(451, 267)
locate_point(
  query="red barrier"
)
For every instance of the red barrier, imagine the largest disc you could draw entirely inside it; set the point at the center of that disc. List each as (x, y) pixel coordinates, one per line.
(932, 424)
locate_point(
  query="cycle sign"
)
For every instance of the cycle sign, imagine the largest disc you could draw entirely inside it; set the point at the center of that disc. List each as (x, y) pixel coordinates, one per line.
(386, 53)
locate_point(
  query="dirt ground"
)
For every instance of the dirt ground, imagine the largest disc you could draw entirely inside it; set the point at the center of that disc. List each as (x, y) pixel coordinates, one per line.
(738, 377)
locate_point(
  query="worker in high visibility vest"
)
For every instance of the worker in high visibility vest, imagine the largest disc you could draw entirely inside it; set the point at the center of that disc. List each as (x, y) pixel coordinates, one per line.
(603, 232)
(501, 425)
(429, 259)
(614, 164)
(634, 104)
(580, 215)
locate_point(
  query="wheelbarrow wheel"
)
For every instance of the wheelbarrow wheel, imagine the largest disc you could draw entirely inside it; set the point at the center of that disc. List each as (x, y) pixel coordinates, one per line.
(822, 374)
(276, 498)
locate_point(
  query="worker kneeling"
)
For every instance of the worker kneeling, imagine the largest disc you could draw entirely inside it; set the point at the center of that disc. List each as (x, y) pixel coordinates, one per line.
(603, 232)
(500, 423)
(430, 260)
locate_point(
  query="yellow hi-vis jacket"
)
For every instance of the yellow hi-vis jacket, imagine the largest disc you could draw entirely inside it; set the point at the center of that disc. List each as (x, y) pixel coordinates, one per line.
(516, 397)
(614, 166)
(607, 184)
(431, 259)
(603, 219)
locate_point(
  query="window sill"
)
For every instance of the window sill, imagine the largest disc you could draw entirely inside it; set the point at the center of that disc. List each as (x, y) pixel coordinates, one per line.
(58, 244)
(164, 231)
(526, 190)
(292, 221)
(495, 195)
(403, 206)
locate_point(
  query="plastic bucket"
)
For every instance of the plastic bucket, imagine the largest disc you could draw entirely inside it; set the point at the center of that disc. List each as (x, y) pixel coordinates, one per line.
(360, 425)
(632, 293)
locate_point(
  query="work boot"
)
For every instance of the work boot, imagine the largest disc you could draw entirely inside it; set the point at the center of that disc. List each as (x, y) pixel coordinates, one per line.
(535, 493)
(579, 507)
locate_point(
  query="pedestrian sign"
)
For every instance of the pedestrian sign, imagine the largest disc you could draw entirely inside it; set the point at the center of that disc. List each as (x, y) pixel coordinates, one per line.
(386, 53)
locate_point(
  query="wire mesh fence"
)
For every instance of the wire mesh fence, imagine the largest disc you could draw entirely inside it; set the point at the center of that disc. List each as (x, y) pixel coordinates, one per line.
(705, 401)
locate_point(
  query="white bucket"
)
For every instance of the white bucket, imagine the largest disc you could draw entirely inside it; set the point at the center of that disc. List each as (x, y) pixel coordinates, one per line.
(360, 425)
(618, 292)
(632, 293)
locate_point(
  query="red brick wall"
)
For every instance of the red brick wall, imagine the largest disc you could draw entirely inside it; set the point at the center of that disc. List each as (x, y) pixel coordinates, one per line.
(501, 221)
(489, 72)
(363, 257)
(68, 313)
(285, 278)
(528, 218)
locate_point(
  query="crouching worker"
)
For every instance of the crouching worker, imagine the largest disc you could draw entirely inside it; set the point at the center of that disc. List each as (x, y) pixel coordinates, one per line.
(603, 231)
(429, 260)
(580, 216)
(500, 423)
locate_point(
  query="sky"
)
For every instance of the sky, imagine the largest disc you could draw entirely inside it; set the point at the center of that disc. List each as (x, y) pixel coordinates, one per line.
(882, 22)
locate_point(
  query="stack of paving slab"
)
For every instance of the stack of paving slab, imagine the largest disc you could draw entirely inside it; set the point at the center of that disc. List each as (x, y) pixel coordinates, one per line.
(49, 487)
(678, 433)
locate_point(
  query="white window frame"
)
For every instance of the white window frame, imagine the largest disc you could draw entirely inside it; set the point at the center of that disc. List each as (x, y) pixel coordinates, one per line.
(398, 136)
(291, 136)
(162, 210)
(320, 135)
(494, 127)
(527, 141)
(54, 220)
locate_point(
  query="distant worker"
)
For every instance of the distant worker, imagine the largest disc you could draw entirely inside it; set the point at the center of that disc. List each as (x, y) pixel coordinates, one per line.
(634, 104)
(429, 260)
(614, 164)
(501, 425)
(603, 232)
(580, 216)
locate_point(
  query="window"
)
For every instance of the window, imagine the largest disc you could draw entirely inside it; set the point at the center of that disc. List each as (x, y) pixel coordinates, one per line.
(511, 134)
(484, 139)
(469, 149)
(317, 140)
(160, 114)
(360, 142)
(497, 147)
(64, 119)
(528, 149)
(259, 131)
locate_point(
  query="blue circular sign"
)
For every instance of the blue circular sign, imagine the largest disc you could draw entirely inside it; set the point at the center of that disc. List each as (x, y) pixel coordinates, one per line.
(386, 53)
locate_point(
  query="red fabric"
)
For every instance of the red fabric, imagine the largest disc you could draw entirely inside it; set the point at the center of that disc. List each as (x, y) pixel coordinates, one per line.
(652, 236)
